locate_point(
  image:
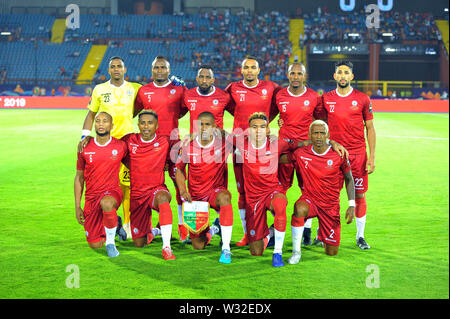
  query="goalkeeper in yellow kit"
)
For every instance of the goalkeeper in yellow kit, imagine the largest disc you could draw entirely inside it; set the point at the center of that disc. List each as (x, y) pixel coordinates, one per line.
(115, 97)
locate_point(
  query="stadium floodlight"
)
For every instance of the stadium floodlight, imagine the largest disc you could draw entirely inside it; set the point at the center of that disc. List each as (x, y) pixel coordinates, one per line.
(353, 34)
(445, 9)
(5, 33)
(387, 34)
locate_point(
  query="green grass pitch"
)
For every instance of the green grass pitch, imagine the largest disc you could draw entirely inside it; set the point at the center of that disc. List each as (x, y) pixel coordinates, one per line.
(407, 226)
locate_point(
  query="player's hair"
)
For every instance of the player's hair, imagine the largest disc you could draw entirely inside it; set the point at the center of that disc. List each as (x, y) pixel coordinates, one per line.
(148, 112)
(257, 116)
(116, 57)
(346, 63)
(207, 114)
(293, 64)
(206, 67)
(250, 57)
(161, 57)
(103, 112)
(318, 122)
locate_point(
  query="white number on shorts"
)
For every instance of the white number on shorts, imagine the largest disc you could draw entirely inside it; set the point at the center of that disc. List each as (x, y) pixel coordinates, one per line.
(359, 182)
(192, 106)
(331, 108)
(242, 99)
(331, 234)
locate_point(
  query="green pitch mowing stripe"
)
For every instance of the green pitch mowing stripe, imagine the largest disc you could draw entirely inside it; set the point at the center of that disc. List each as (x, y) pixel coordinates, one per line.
(42, 244)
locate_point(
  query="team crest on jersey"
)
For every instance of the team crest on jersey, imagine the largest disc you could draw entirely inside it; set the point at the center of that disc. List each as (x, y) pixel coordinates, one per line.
(114, 154)
(306, 103)
(354, 105)
(264, 91)
(135, 230)
(156, 144)
(129, 92)
(329, 166)
(172, 91)
(215, 102)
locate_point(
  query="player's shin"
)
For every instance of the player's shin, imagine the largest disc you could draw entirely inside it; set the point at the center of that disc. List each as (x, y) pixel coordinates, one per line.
(297, 227)
(226, 225)
(360, 216)
(110, 223)
(165, 221)
(279, 206)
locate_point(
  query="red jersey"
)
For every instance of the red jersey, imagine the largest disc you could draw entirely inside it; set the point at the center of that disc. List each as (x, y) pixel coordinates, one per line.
(215, 102)
(260, 166)
(207, 165)
(322, 174)
(101, 165)
(166, 101)
(297, 112)
(146, 160)
(248, 100)
(346, 118)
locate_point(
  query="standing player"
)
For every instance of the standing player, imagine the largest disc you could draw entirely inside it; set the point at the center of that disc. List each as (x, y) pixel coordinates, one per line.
(206, 98)
(117, 98)
(296, 104)
(249, 96)
(322, 170)
(166, 99)
(98, 166)
(147, 154)
(207, 155)
(349, 111)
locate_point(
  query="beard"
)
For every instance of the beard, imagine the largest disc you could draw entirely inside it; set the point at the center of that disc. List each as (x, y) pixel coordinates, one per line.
(204, 91)
(343, 86)
(102, 134)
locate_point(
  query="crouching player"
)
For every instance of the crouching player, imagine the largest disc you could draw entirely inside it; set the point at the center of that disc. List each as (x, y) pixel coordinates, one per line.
(147, 153)
(323, 171)
(206, 155)
(98, 166)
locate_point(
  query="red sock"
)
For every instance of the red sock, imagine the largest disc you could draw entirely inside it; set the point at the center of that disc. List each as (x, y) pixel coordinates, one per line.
(226, 215)
(279, 206)
(110, 219)
(297, 221)
(361, 207)
(165, 214)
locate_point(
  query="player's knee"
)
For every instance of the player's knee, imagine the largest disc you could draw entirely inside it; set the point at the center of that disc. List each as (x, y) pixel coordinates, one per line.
(359, 195)
(163, 197)
(331, 250)
(96, 245)
(139, 242)
(224, 198)
(108, 203)
(198, 243)
(256, 252)
(301, 209)
(256, 248)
